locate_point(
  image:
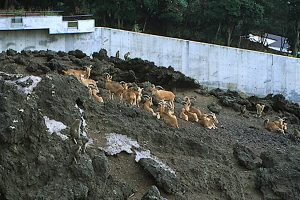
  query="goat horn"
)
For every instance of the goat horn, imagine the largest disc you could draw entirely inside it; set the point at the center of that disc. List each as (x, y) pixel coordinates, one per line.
(158, 86)
(146, 96)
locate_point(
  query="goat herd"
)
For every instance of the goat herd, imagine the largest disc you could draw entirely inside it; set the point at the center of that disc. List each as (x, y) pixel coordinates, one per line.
(131, 94)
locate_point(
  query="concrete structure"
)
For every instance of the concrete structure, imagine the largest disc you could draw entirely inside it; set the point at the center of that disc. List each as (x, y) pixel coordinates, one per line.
(54, 24)
(216, 66)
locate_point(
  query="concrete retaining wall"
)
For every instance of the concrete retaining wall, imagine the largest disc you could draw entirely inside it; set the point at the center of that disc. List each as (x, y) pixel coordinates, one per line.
(216, 66)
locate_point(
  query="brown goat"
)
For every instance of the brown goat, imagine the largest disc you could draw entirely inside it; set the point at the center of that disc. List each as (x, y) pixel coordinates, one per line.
(78, 72)
(209, 121)
(168, 117)
(148, 104)
(129, 96)
(93, 92)
(87, 82)
(186, 114)
(275, 126)
(114, 87)
(163, 95)
(192, 108)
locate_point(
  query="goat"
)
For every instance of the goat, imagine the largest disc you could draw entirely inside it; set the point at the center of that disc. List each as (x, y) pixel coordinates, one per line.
(114, 87)
(129, 96)
(168, 117)
(192, 108)
(182, 114)
(93, 92)
(78, 72)
(139, 96)
(259, 109)
(75, 130)
(87, 82)
(275, 126)
(186, 114)
(243, 110)
(147, 106)
(209, 121)
(126, 56)
(132, 95)
(163, 95)
(281, 123)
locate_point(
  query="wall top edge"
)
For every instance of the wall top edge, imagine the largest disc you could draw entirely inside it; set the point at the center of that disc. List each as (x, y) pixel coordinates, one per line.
(204, 43)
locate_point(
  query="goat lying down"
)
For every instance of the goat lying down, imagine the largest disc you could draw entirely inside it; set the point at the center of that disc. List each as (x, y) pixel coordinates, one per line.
(209, 121)
(78, 72)
(148, 104)
(186, 114)
(168, 115)
(279, 126)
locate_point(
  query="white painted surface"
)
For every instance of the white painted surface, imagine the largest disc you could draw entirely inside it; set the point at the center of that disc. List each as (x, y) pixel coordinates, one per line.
(216, 66)
(54, 24)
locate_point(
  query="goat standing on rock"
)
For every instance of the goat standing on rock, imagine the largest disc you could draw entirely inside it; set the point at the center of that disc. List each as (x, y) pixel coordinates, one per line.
(259, 109)
(161, 94)
(114, 87)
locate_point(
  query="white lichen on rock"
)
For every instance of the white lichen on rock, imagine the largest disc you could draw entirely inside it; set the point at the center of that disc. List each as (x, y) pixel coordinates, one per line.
(117, 143)
(55, 127)
(28, 88)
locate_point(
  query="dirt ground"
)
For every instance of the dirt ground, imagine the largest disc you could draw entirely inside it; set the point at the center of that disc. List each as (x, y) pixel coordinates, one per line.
(204, 161)
(232, 128)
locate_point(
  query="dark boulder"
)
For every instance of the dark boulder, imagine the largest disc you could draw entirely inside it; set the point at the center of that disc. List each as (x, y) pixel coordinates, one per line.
(246, 157)
(163, 177)
(279, 177)
(153, 194)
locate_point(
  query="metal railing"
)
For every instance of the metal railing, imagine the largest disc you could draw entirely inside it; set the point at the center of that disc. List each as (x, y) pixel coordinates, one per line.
(20, 13)
(77, 17)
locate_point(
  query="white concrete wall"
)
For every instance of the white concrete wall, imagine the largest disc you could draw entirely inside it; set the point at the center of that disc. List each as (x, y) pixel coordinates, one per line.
(216, 66)
(41, 40)
(54, 24)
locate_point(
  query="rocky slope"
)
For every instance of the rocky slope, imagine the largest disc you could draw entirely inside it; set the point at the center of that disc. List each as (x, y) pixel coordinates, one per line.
(38, 104)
